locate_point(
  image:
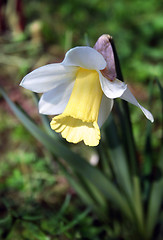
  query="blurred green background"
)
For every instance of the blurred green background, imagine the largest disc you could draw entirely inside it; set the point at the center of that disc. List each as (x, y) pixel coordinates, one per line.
(34, 33)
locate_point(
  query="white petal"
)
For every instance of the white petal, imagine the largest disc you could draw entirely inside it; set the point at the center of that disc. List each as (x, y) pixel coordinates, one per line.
(48, 77)
(112, 89)
(85, 57)
(54, 101)
(127, 95)
(105, 109)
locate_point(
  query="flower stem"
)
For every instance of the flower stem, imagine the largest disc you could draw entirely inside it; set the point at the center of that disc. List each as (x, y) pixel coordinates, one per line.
(130, 137)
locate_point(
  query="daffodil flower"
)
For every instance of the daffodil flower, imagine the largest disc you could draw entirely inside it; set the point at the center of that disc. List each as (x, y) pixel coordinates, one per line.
(79, 91)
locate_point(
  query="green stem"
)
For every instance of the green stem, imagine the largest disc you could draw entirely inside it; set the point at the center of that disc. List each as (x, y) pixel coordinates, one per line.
(128, 124)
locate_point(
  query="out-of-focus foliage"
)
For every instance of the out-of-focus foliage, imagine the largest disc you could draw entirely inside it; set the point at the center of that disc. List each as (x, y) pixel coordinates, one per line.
(136, 26)
(35, 198)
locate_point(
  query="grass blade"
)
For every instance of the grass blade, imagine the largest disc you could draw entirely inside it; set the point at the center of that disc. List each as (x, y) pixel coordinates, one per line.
(118, 158)
(156, 195)
(74, 222)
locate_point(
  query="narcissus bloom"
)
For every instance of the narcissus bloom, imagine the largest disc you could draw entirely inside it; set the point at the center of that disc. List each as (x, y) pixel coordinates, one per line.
(80, 91)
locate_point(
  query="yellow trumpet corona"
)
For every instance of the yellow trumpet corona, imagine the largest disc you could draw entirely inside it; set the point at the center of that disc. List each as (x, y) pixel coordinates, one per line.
(79, 120)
